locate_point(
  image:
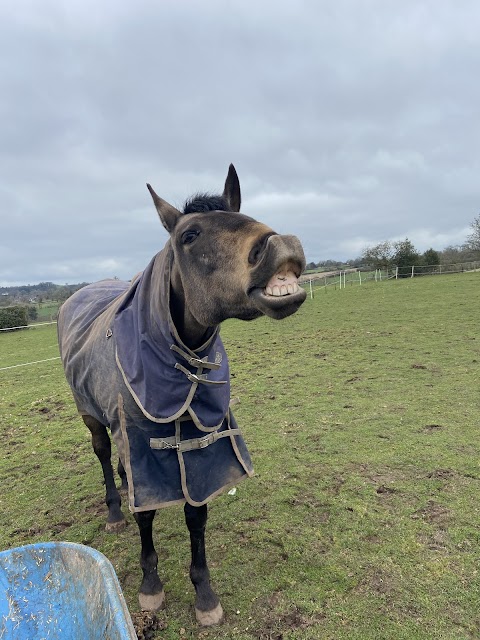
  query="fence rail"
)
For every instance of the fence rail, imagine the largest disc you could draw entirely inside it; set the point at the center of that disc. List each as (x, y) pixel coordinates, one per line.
(341, 278)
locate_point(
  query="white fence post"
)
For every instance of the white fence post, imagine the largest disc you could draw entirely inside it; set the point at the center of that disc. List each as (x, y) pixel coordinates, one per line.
(413, 269)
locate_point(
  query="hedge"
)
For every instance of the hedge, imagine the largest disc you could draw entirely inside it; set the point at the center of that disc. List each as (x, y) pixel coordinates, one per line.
(13, 317)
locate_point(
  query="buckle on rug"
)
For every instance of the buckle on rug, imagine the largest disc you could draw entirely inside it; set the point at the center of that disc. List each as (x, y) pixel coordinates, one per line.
(160, 443)
(194, 443)
(199, 379)
(204, 442)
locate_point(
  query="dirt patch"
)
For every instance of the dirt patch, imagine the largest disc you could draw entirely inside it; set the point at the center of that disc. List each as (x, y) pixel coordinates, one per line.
(433, 513)
(97, 508)
(377, 581)
(58, 527)
(383, 490)
(438, 541)
(25, 534)
(43, 410)
(373, 538)
(146, 624)
(431, 428)
(441, 474)
(280, 621)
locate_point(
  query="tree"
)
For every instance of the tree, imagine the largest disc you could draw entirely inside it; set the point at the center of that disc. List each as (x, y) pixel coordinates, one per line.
(430, 260)
(457, 254)
(379, 256)
(473, 240)
(311, 266)
(32, 313)
(405, 257)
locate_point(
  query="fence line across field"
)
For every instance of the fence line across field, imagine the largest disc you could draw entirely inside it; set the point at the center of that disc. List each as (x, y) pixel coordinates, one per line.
(26, 364)
(29, 326)
(339, 278)
(316, 280)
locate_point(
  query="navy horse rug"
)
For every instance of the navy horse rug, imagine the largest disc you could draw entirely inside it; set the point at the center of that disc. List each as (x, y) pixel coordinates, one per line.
(166, 405)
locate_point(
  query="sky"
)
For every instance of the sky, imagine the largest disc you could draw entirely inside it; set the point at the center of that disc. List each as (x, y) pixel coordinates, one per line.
(349, 122)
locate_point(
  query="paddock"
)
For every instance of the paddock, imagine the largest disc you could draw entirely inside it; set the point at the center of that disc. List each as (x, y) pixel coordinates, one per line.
(363, 518)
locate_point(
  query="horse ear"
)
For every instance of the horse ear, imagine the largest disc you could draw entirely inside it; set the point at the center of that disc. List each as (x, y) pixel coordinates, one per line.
(231, 191)
(168, 214)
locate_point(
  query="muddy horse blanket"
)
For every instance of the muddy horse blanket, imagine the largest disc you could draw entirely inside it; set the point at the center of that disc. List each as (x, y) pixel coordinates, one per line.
(166, 405)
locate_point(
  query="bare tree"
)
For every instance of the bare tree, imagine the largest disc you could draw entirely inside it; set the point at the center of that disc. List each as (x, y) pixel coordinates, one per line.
(473, 240)
(379, 256)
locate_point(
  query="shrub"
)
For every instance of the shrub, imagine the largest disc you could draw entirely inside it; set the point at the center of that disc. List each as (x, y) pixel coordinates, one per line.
(32, 313)
(13, 317)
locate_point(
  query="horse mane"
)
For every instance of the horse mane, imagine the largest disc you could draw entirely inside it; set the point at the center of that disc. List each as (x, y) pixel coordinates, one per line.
(200, 202)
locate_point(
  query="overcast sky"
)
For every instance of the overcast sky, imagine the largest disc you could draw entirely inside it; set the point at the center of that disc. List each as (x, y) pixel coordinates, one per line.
(349, 122)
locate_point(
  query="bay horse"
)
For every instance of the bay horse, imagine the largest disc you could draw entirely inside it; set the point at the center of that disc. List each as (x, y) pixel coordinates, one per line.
(145, 360)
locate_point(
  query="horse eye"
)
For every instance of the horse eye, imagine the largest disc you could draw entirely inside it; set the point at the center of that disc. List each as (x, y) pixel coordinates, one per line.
(189, 236)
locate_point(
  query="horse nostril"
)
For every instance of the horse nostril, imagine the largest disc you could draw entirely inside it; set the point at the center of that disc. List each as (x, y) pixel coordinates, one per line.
(258, 248)
(253, 255)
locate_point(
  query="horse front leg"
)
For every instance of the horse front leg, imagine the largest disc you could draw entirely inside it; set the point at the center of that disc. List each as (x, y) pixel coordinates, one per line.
(103, 449)
(151, 595)
(208, 609)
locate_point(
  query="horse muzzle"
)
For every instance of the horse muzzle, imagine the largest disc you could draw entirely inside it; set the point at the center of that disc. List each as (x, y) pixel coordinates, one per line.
(274, 287)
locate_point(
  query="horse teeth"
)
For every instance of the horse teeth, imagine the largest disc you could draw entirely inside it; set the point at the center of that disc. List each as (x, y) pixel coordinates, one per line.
(295, 287)
(290, 288)
(269, 291)
(284, 290)
(276, 291)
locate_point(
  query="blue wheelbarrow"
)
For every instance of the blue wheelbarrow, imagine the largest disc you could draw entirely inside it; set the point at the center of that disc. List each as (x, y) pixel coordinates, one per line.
(61, 590)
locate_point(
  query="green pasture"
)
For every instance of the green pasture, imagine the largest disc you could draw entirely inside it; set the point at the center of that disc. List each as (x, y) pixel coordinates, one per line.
(47, 311)
(363, 520)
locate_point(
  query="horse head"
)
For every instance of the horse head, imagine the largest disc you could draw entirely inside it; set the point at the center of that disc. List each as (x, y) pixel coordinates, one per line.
(227, 264)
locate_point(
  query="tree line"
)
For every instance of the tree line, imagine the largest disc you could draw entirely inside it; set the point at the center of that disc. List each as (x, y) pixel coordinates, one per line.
(402, 254)
(37, 293)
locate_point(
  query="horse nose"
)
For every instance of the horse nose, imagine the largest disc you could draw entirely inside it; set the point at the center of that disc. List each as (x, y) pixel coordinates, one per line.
(285, 250)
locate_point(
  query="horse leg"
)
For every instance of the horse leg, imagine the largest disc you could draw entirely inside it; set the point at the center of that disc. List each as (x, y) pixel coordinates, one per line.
(103, 449)
(151, 595)
(208, 609)
(123, 476)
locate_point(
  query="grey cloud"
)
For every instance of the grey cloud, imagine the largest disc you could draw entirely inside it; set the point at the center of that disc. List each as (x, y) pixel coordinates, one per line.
(348, 122)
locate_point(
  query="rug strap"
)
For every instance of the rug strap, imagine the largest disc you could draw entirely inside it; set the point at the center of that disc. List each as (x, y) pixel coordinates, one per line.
(194, 443)
(195, 362)
(193, 377)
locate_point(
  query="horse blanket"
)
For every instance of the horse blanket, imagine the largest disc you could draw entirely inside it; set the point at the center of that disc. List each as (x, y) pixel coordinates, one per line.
(167, 406)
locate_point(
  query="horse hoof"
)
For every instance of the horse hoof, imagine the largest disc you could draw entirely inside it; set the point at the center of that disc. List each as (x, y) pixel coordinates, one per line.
(115, 527)
(209, 618)
(153, 602)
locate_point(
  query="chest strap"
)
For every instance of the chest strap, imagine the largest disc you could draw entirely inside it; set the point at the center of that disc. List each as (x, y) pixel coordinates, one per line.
(194, 443)
(195, 362)
(198, 377)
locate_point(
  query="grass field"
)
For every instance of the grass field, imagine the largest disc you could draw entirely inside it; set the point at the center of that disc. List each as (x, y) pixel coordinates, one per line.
(362, 522)
(47, 311)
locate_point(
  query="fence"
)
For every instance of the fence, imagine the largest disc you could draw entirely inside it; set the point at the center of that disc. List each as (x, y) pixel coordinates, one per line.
(358, 276)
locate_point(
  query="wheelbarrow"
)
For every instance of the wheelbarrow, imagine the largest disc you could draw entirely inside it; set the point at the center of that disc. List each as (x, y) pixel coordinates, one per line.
(54, 590)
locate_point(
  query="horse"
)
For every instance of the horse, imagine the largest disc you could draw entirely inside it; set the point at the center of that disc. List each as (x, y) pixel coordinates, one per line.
(145, 361)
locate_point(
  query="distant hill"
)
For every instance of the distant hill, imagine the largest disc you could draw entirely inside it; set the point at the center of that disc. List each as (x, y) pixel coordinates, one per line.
(37, 293)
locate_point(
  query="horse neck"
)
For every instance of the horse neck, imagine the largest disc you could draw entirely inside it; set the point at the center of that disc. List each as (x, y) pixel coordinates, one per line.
(191, 332)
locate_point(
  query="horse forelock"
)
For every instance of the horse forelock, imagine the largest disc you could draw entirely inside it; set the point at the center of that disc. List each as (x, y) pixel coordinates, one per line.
(201, 202)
